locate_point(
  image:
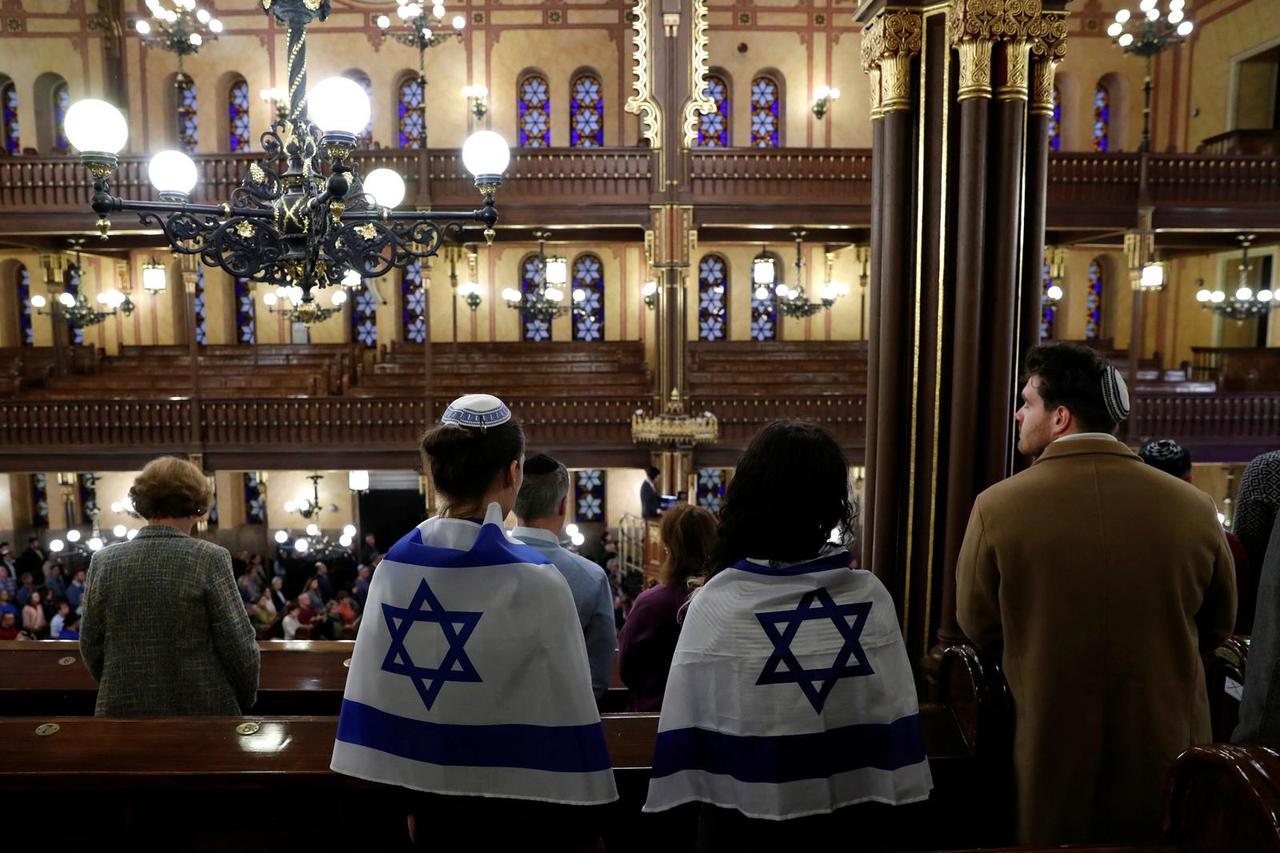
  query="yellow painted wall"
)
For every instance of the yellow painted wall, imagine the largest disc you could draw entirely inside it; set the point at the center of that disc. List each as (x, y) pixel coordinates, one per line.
(622, 493)
(285, 486)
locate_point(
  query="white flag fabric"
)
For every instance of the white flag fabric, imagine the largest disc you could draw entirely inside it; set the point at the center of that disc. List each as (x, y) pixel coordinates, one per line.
(470, 674)
(790, 694)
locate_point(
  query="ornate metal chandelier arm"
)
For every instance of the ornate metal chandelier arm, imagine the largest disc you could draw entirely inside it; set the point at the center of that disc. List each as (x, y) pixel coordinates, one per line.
(103, 205)
(486, 215)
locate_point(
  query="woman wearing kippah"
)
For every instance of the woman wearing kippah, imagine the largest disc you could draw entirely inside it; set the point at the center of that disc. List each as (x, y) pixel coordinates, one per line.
(470, 681)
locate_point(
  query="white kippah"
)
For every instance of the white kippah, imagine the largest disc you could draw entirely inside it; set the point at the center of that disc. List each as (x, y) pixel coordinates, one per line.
(476, 410)
(1115, 394)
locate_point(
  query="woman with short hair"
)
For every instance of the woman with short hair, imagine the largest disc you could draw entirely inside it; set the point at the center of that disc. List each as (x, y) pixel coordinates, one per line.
(165, 631)
(33, 619)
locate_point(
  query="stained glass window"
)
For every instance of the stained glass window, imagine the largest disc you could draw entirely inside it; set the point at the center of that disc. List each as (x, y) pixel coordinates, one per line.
(714, 128)
(711, 482)
(88, 497)
(588, 494)
(765, 117)
(73, 287)
(713, 281)
(1093, 306)
(1046, 307)
(9, 96)
(413, 115)
(246, 313)
(764, 310)
(1101, 119)
(238, 116)
(61, 103)
(255, 499)
(39, 501)
(533, 112)
(414, 299)
(364, 139)
(26, 334)
(201, 309)
(588, 314)
(1055, 122)
(586, 113)
(188, 130)
(364, 316)
(532, 328)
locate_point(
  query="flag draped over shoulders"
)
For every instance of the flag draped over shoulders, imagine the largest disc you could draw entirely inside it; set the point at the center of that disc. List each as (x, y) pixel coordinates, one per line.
(790, 694)
(470, 675)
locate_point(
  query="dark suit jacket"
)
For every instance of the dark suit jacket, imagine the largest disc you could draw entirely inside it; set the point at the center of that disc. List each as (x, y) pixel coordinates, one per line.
(164, 629)
(649, 500)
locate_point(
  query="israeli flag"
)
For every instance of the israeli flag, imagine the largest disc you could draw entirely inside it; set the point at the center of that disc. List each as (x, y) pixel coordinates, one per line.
(790, 694)
(470, 674)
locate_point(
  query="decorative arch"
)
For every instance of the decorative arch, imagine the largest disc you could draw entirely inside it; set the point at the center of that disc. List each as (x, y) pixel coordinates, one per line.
(715, 129)
(364, 139)
(411, 111)
(532, 328)
(1102, 116)
(1055, 121)
(533, 109)
(52, 98)
(9, 116)
(239, 136)
(764, 312)
(713, 302)
(1093, 299)
(186, 113)
(588, 313)
(766, 109)
(586, 110)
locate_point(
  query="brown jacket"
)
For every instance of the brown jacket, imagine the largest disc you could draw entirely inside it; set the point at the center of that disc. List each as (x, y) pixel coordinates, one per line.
(1106, 580)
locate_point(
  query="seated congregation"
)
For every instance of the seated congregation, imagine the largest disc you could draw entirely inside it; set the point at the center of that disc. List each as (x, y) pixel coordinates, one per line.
(771, 703)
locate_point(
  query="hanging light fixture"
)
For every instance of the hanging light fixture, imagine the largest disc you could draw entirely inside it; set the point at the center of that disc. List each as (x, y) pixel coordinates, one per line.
(1244, 303)
(288, 302)
(545, 301)
(313, 541)
(154, 277)
(793, 301)
(75, 309)
(181, 28)
(1147, 33)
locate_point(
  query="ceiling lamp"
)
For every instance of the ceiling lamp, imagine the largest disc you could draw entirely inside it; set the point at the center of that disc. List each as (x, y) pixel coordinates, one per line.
(181, 28)
(546, 300)
(74, 308)
(793, 301)
(154, 277)
(1147, 34)
(1244, 303)
(314, 542)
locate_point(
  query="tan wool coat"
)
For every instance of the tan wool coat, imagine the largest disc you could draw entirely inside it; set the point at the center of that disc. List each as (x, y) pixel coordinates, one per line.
(1105, 580)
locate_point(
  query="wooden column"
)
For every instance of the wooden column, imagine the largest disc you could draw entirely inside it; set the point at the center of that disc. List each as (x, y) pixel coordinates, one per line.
(1044, 60)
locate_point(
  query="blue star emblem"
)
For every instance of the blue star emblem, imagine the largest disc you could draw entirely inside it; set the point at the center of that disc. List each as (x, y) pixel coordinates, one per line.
(815, 683)
(456, 625)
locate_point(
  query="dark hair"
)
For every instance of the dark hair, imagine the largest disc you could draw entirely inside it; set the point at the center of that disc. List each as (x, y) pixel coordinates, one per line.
(464, 461)
(170, 487)
(689, 534)
(789, 491)
(546, 482)
(71, 620)
(1167, 455)
(651, 471)
(1071, 375)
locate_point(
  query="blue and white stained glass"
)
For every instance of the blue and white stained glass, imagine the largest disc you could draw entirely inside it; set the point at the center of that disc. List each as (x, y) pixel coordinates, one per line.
(1101, 119)
(1046, 307)
(73, 287)
(26, 332)
(188, 116)
(9, 104)
(589, 494)
(413, 116)
(713, 281)
(414, 299)
(715, 127)
(764, 311)
(1055, 122)
(533, 117)
(39, 501)
(238, 116)
(765, 117)
(202, 314)
(246, 313)
(364, 316)
(532, 328)
(255, 499)
(88, 484)
(711, 483)
(61, 103)
(588, 314)
(586, 113)
(1093, 302)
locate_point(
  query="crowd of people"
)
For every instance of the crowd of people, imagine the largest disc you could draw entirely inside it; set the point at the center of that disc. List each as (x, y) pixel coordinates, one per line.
(762, 646)
(37, 600)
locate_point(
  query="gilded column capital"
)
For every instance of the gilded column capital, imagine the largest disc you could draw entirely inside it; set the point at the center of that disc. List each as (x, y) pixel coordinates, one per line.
(1013, 86)
(975, 69)
(991, 20)
(1048, 48)
(889, 42)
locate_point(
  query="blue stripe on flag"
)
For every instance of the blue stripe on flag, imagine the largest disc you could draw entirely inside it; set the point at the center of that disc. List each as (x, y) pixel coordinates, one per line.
(789, 758)
(837, 560)
(491, 548)
(556, 749)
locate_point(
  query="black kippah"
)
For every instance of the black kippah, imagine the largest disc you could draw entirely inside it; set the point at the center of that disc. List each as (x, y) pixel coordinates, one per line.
(539, 464)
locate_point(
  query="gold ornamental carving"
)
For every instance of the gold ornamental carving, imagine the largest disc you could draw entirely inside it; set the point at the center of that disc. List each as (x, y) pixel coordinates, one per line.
(895, 83)
(699, 57)
(1017, 56)
(1041, 98)
(1048, 48)
(992, 20)
(975, 70)
(889, 42)
(642, 103)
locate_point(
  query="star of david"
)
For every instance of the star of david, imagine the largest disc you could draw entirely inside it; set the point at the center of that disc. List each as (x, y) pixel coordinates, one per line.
(456, 625)
(781, 627)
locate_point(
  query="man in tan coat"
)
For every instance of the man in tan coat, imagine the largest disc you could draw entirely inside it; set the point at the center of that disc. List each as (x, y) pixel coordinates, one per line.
(1106, 580)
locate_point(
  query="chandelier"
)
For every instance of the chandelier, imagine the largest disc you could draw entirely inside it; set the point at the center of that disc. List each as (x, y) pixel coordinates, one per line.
(314, 541)
(673, 428)
(74, 308)
(1147, 34)
(180, 30)
(288, 302)
(1246, 303)
(302, 217)
(546, 300)
(792, 301)
(420, 29)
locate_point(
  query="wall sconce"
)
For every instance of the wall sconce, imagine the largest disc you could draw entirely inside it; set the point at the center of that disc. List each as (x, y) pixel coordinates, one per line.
(650, 293)
(762, 273)
(278, 97)
(1152, 277)
(471, 294)
(823, 99)
(358, 481)
(476, 95)
(154, 278)
(1145, 272)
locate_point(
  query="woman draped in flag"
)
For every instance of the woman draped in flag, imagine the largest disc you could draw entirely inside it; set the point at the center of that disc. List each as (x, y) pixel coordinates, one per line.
(790, 694)
(469, 681)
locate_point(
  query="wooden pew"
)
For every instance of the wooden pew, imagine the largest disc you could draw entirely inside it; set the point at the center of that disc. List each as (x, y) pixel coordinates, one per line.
(1224, 678)
(1224, 797)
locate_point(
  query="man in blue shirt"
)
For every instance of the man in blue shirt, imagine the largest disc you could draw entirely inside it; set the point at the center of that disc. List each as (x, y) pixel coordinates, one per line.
(541, 507)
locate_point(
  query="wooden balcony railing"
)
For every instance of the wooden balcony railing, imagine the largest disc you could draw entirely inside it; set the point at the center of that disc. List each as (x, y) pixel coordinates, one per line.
(734, 175)
(1246, 420)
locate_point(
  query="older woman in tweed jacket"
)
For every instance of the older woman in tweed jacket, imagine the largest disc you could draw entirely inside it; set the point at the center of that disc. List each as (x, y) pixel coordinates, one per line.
(164, 630)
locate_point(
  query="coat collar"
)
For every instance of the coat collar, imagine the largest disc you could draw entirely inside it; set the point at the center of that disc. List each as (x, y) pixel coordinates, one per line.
(157, 531)
(1083, 446)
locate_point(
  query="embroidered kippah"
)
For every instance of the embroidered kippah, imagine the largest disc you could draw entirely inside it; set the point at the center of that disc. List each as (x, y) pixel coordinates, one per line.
(1162, 450)
(477, 411)
(1115, 394)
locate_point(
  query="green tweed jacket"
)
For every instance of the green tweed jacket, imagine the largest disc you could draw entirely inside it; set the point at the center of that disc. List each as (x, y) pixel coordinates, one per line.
(165, 631)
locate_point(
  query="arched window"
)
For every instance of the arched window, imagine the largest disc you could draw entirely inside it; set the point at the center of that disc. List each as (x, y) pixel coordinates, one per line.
(1046, 307)
(364, 139)
(246, 313)
(238, 116)
(589, 494)
(411, 100)
(533, 112)
(201, 309)
(1101, 118)
(1093, 305)
(715, 128)
(364, 316)
(586, 112)
(26, 334)
(588, 312)
(9, 105)
(1055, 122)
(188, 130)
(532, 328)
(764, 310)
(61, 103)
(713, 282)
(711, 488)
(766, 112)
(413, 296)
